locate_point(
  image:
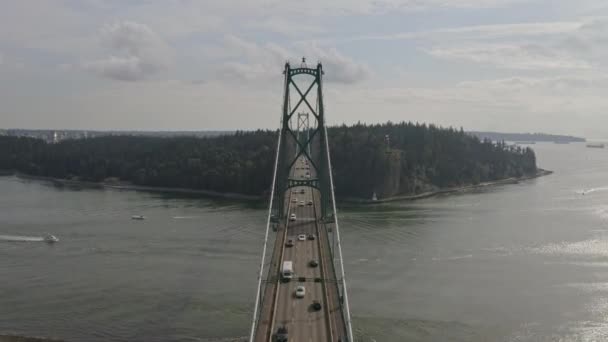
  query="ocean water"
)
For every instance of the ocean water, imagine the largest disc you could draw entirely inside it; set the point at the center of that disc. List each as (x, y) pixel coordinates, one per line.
(522, 262)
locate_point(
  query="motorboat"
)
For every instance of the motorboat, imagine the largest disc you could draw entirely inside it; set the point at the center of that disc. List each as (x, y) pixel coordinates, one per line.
(138, 217)
(50, 238)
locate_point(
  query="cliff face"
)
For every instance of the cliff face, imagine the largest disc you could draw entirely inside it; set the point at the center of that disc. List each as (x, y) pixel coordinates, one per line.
(390, 183)
(394, 180)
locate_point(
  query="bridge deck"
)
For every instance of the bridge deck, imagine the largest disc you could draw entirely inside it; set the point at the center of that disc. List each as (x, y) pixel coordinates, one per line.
(280, 307)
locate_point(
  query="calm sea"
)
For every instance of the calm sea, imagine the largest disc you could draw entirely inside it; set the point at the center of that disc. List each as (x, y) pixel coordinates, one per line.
(523, 262)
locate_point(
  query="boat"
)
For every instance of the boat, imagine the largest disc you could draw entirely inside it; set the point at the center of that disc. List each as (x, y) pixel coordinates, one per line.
(50, 238)
(138, 217)
(595, 145)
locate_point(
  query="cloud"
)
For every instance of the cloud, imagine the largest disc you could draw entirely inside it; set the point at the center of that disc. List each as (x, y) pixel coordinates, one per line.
(511, 56)
(573, 45)
(518, 95)
(257, 62)
(338, 67)
(541, 46)
(484, 32)
(140, 53)
(417, 5)
(286, 27)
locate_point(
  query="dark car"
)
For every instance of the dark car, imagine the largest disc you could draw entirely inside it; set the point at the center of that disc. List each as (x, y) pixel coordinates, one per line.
(311, 236)
(281, 335)
(316, 305)
(313, 263)
(289, 243)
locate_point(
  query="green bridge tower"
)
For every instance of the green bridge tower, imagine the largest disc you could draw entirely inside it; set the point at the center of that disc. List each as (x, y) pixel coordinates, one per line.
(304, 87)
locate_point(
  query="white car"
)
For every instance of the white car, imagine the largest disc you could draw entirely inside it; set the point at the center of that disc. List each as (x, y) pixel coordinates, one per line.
(302, 237)
(300, 291)
(301, 204)
(292, 217)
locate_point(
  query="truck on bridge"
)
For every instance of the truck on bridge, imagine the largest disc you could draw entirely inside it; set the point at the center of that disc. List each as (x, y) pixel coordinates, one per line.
(287, 270)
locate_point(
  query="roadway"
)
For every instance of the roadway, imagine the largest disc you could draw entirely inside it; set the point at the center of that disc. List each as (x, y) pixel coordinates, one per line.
(280, 307)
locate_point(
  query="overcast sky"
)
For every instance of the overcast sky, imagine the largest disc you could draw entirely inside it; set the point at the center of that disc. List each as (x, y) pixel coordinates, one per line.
(504, 65)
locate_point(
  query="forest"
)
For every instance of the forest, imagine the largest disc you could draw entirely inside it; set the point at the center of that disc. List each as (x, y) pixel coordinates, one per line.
(415, 158)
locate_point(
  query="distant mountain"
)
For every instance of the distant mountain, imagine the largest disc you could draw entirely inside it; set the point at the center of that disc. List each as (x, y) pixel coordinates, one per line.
(536, 137)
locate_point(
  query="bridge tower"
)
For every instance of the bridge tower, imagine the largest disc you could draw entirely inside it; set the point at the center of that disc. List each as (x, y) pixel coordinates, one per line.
(302, 168)
(292, 148)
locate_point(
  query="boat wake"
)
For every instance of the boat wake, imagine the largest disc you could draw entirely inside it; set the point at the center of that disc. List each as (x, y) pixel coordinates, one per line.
(592, 190)
(452, 258)
(17, 238)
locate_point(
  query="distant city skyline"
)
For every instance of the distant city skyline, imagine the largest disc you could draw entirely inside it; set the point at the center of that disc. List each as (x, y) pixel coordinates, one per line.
(175, 65)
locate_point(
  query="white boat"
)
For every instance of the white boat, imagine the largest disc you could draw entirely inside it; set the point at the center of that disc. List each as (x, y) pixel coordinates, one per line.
(138, 217)
(50, 238)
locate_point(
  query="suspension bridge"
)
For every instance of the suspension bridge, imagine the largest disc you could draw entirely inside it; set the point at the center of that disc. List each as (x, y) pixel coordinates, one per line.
(301, 292)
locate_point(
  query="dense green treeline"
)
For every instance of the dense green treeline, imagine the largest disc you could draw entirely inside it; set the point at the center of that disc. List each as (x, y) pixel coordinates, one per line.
(420, 158)
(241, 162)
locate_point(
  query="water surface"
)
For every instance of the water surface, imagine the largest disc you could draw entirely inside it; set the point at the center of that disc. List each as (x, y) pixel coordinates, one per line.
(524, 262)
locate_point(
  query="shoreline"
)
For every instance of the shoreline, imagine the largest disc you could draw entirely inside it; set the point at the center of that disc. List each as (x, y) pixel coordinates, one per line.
(237, 196)
(132, 187)
(17, 338)
(512, 180)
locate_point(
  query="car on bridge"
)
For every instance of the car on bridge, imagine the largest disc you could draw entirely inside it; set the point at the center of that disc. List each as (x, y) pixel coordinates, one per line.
(310, 202)
(302, 237)
(313, 263)
(301, 204)
(300, 291)
(292, 217)
(281, 335)
(311, 236)
(289, 243)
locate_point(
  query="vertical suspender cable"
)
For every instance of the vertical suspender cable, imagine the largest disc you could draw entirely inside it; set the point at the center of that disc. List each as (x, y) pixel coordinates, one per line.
(337, 232)
(261, 273)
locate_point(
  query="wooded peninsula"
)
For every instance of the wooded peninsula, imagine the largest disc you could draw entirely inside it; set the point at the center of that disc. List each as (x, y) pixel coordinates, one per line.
(416, 158)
